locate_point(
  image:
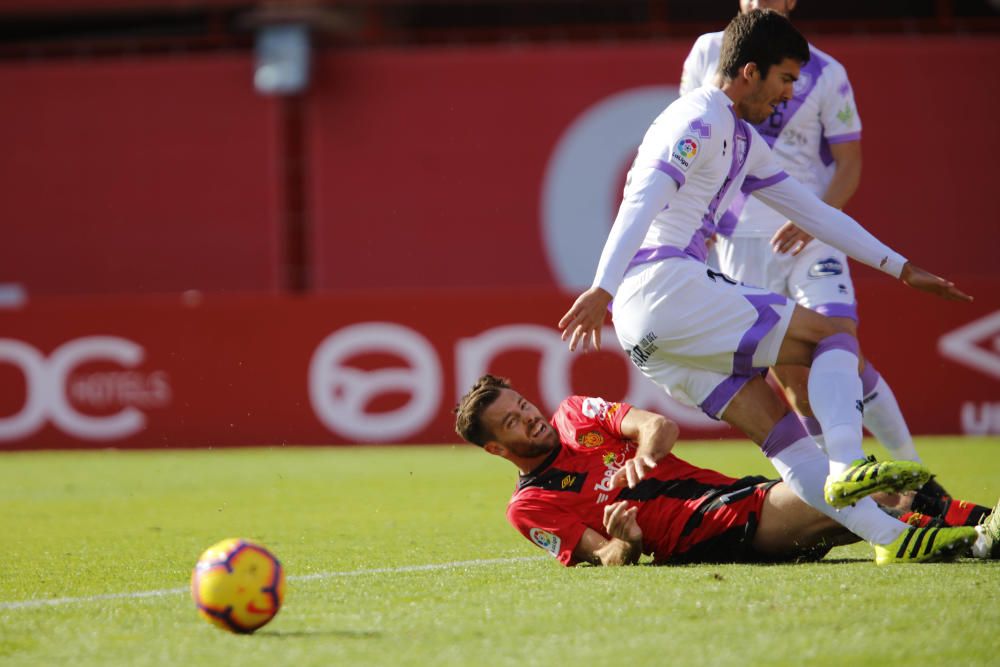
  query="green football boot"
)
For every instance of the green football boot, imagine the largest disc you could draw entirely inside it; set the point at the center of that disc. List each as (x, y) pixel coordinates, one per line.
(926, 545)
(868, 476)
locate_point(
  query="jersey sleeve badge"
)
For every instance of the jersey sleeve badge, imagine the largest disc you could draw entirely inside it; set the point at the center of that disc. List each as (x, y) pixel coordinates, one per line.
(546, 540)
(685, 151)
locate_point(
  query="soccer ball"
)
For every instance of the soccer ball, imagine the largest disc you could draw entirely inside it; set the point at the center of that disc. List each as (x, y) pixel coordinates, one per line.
(238, 585)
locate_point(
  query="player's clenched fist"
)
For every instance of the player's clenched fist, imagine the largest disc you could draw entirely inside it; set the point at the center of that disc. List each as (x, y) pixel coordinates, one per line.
(619, 521)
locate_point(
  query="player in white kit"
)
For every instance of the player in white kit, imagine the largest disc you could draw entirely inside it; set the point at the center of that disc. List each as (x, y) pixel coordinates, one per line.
(707, 340)
(815, 137)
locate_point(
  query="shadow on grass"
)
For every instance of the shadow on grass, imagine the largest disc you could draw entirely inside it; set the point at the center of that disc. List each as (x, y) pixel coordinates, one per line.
(299, 634)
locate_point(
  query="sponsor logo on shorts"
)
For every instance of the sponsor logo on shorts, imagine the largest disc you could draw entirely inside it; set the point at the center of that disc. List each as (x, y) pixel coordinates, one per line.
(545, 540)
(825, 268)
(685, 152)
(591, 439)
(640, 353)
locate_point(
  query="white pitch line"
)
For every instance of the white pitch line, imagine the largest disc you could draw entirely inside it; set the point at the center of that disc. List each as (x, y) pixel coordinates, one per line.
(56, 602)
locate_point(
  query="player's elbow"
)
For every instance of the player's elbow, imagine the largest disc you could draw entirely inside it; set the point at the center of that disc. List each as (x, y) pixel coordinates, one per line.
(664, 429)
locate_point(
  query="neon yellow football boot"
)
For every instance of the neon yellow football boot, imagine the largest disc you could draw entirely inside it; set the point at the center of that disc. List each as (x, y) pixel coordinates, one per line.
(868, 476)
(926, 545)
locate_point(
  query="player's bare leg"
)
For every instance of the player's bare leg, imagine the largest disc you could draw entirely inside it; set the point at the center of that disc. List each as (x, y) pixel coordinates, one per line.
(758, 411)
(788, 525)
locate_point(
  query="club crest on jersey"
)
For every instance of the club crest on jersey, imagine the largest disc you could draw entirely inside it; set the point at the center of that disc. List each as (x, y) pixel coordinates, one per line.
(685, 152)
(825, 268)
(802, 84)
(545, 540)
(741, 148)
(590, 439)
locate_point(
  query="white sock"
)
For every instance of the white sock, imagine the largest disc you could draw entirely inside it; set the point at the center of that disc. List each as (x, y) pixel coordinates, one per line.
(885, 421)
(803, 467)
(983, 545)
(835, 396)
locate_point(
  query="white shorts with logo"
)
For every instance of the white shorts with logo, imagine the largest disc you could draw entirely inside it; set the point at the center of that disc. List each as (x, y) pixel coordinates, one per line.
(698, 335)
(818, 278)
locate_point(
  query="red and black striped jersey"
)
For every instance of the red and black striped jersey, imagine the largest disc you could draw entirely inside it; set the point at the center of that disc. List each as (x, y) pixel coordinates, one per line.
(567, 493)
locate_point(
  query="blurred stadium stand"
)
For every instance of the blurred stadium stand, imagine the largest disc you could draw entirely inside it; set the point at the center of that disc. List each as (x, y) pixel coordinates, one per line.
(84, 27)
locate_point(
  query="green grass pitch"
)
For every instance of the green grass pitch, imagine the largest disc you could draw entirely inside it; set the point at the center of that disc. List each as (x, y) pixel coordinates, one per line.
(402, 556)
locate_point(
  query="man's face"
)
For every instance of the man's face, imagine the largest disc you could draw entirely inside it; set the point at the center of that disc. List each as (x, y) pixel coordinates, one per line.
(768, 92)
(781, 6)
(518, 426)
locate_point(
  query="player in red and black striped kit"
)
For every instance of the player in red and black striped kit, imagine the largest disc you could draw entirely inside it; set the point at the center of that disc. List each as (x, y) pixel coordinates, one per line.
(598, 484)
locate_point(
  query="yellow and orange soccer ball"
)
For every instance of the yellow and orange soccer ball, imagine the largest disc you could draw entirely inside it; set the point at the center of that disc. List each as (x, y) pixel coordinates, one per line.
(238, 585)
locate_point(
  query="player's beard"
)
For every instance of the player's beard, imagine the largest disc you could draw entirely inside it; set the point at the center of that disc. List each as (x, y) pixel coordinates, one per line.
(756, 107)
(547, 441)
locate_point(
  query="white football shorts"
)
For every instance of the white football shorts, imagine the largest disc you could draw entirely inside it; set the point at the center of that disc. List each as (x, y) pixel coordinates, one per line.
(696, 333)
(818, 278)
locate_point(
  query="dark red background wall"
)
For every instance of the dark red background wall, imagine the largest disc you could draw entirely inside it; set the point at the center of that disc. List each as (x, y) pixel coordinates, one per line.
(422, 179)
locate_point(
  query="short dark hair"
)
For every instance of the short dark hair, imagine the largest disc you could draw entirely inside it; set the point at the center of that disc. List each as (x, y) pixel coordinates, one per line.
(469, 411)
(761, 36)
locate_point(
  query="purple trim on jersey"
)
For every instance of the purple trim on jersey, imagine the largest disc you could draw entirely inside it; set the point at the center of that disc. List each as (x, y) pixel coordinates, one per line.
(838, 341)
(848, 310)
(844, 138)
(753, 183)
(825, 154)
(703, 129)
(668, 169)
(869, 378)
(811, 425)
(697, 247)
(767, 317)
(717, 401)
(727, 223)
(785, 433)
(656, 254)
(772, 127)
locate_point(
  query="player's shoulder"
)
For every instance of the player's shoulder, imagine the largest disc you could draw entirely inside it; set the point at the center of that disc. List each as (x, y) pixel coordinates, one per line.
(831, 66)
(583, 408)
(707, 43)
(704, 104)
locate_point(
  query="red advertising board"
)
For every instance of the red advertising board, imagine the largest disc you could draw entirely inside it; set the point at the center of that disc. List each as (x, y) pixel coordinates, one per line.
(446, 167)
(375, 367)
(138, 176)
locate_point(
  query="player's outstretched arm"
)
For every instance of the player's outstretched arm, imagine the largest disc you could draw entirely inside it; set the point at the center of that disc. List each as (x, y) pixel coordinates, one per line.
(926, 281)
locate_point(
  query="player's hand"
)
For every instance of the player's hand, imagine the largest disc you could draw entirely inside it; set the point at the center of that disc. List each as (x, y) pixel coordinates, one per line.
(619, 521)
(790, 239)
(926, 281)
(583, 322)
(634, 471)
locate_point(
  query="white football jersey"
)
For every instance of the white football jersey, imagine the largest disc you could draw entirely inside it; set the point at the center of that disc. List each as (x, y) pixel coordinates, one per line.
(821, 112)
(710, 154)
